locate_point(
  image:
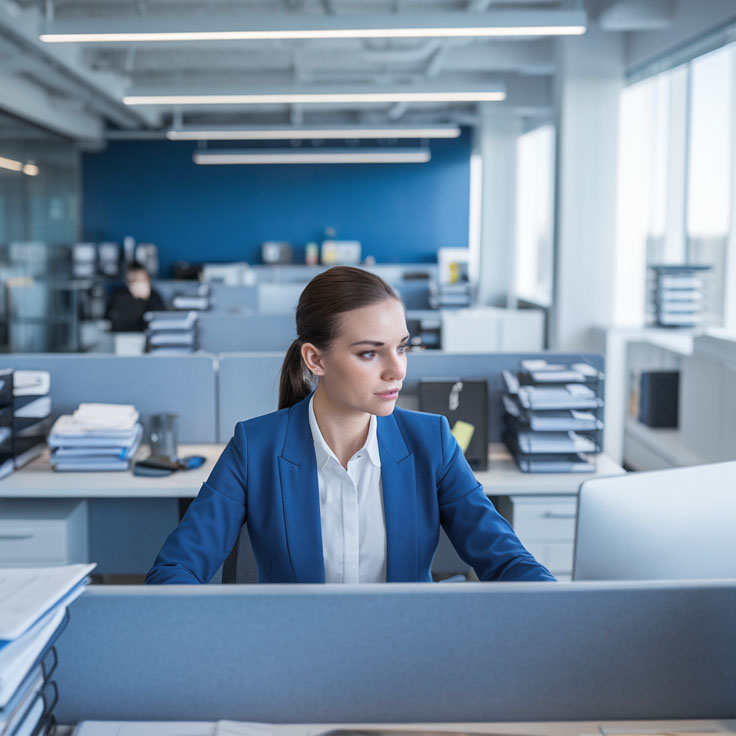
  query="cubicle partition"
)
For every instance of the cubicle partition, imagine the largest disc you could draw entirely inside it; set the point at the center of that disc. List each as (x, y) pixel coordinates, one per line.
(401, 653)
(152, 383)
(248, 384)
(221, 332)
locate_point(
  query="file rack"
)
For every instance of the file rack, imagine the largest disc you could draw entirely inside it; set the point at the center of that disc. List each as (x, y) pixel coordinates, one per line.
(31, 418)
(553, 415)
(7, 464)
(172, 333)
(678, 294)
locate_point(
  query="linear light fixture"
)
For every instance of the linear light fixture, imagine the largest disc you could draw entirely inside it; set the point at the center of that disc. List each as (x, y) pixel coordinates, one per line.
(280, 98)
(307, 132)
(407, 25)
(13, 165)
(324, 156)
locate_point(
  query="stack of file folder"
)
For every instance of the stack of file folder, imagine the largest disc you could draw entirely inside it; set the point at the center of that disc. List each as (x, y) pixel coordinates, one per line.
(553, 415)
(7, 463)
(444, 296)
(200, 300)
(678, 294)
(171, 333)
(97, 437)
(33, 615)
(31, 414)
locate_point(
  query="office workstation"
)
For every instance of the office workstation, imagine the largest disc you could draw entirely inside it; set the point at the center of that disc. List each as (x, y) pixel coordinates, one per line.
(482, 257)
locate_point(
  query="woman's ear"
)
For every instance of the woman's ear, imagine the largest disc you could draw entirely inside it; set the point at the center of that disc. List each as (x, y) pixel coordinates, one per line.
(313, 359)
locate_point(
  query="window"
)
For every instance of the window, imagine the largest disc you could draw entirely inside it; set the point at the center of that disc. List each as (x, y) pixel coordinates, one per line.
(534, 216)
(676, 170)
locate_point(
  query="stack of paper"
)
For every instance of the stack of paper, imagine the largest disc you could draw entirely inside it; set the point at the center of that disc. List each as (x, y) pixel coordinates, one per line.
(32, 414)
(171, 333)
(32, 616)
(96, 437)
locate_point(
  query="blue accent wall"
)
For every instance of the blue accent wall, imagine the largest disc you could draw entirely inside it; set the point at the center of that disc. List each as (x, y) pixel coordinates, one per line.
(153, 191)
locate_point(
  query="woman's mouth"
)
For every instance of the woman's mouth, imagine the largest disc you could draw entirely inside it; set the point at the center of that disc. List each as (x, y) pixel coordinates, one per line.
(388, 395)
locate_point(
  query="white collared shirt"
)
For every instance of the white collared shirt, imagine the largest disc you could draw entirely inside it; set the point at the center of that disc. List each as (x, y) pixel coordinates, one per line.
(351, 510)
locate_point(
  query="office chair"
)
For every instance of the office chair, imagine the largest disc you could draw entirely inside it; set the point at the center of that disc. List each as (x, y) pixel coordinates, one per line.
(240, 565)
(666, 524)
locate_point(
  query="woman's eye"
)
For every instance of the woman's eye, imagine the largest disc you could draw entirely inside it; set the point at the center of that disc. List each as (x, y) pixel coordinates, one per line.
(403, 348)
(368, 354)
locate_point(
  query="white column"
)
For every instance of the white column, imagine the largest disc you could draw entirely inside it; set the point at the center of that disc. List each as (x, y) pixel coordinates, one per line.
(589, 81)
(495, 144)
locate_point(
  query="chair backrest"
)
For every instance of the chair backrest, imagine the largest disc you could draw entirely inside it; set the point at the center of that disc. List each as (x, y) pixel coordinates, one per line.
(240, 565)
(668, 524)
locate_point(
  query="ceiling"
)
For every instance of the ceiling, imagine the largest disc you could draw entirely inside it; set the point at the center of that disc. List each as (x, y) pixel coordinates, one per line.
(77, 89)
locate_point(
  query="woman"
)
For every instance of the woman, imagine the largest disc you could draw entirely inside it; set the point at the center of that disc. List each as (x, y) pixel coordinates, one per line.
(339, 485)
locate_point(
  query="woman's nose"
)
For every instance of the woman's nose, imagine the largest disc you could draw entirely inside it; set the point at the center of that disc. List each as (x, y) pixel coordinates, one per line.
(396, 368)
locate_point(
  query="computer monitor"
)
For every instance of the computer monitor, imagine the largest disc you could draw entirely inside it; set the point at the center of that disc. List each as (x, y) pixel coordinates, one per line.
(668, 524)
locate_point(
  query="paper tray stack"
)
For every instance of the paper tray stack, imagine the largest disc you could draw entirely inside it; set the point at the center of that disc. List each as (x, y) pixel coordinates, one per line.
(553, 416)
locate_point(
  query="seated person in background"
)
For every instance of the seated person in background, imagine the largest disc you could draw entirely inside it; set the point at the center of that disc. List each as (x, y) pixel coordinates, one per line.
(128, 305)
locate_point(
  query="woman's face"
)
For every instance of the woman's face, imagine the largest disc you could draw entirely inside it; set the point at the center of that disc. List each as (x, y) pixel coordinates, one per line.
(364, 367)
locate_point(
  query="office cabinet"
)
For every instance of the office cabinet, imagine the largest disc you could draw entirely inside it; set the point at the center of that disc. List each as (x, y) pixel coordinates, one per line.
(42, 533)
(546, 527)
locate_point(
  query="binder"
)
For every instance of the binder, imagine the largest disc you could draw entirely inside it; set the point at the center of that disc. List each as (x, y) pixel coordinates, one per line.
(461, 401)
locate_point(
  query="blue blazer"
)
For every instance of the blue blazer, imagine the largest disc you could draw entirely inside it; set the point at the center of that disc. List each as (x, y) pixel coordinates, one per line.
(267, 477)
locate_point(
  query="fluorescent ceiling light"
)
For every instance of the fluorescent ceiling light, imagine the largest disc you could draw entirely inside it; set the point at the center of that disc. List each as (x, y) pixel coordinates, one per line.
(10, 164)
(293, 35)
(13, 165)
(316, 97)
(324, 156)
(303, 133)
(405, 25)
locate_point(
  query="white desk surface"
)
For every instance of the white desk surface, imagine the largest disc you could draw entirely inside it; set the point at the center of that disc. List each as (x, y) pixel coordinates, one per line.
(38, 480)
(503, 477)
(572, 728)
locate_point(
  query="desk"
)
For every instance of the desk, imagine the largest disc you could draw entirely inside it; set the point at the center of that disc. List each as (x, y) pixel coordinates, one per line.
(564, 728)
(534, 502)
(38, 480)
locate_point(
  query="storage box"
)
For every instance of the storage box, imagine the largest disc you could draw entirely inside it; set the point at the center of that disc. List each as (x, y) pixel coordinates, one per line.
(659, 398)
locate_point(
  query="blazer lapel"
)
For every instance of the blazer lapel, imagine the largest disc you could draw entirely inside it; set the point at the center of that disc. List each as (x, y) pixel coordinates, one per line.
(399, 503)
(300, 497)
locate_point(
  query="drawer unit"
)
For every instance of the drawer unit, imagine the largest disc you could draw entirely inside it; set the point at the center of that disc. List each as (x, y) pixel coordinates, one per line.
(546, 526)
(42, 533)
(550, 520)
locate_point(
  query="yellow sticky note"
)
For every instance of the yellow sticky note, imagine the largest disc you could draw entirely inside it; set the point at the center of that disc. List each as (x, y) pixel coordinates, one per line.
(463, 433)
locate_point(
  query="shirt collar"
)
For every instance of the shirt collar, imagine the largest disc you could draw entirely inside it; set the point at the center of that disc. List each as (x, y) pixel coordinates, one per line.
(322, 450)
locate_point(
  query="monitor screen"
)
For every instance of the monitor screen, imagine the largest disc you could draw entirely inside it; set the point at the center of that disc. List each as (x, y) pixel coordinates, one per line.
(668, 524)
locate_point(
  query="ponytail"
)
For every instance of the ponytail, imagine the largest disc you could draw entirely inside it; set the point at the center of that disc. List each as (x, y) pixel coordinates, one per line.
(321, 305)
(295, 381)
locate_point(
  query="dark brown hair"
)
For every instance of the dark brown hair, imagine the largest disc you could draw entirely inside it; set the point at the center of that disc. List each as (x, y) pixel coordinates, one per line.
(324, 299)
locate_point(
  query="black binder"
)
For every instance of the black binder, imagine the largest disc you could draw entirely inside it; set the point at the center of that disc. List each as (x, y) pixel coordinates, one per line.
(465, 401)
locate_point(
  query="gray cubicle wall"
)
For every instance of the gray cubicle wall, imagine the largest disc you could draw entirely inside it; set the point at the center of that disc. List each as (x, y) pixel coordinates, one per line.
(225, 333)
(152, 383)
(248, 386)
(401, 653)
(125, 534)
